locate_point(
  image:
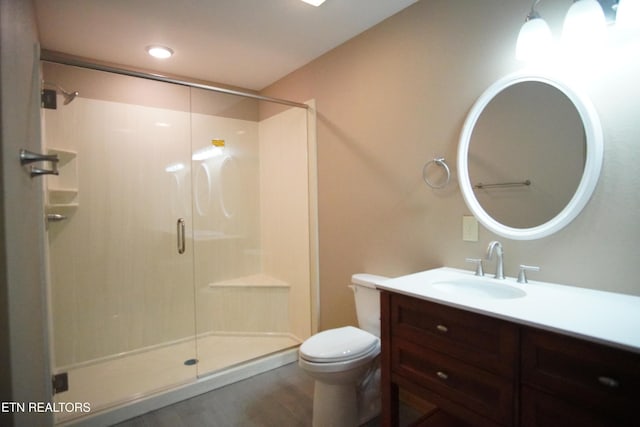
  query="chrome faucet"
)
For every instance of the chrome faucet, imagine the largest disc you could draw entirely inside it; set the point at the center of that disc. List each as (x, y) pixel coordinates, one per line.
(497, 247)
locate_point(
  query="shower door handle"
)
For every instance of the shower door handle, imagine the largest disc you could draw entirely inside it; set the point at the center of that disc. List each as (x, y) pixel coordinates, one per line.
(180, 233)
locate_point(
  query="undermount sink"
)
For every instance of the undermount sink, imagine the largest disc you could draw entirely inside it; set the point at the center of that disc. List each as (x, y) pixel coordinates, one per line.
(478, 288)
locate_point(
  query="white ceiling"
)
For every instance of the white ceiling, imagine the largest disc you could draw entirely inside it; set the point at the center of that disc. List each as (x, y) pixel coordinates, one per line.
(245, 43)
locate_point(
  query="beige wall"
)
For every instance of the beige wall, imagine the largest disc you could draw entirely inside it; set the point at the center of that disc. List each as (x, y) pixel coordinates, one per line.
(396, 96)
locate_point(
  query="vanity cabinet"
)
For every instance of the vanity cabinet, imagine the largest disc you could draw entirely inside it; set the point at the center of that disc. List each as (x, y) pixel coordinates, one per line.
(564, 378)
(482, 371)
(462, 362)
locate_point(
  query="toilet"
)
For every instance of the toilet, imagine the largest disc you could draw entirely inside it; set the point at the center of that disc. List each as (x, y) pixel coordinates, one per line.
(344, 362)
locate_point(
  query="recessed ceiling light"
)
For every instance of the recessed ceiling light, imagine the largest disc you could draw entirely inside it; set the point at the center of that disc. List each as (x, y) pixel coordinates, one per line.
(314, 2)
(160, 52)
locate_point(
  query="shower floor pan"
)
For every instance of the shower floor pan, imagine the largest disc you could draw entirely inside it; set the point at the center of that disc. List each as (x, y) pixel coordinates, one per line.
(122, 380)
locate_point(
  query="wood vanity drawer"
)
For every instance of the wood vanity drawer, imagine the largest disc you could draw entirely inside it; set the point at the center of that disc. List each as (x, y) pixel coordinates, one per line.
(593, 376)
(475, 389)
(473, 338)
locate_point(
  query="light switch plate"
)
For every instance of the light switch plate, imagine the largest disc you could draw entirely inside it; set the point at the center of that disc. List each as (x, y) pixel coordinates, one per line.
(469, 228)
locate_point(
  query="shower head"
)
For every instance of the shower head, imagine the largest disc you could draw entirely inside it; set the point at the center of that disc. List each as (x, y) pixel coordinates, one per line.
(68, 96)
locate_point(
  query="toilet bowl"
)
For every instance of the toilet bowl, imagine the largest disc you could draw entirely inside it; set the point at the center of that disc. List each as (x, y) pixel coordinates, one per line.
(344, 362)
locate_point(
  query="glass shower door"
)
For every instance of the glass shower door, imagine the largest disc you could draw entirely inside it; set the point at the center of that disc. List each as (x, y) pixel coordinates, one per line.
(121, 266)
(251, 230)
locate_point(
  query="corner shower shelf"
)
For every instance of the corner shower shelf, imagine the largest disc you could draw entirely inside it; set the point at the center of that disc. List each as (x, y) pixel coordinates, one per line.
(62, 197)
(64, 156)
(62, 190)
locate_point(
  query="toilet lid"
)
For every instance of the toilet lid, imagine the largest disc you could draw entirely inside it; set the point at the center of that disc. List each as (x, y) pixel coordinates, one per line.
(338, 344)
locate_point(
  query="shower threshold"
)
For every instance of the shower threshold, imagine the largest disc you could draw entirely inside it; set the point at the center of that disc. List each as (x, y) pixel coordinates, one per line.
(124, 387)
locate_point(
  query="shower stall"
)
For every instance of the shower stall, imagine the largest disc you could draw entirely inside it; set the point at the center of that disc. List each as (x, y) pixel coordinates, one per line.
(181, 234)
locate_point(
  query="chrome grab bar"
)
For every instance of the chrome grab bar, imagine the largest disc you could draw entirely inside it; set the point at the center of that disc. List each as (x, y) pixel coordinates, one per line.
(524, 183)
(180, 232)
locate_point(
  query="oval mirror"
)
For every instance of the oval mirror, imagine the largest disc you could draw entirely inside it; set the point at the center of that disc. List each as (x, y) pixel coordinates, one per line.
(530, 155)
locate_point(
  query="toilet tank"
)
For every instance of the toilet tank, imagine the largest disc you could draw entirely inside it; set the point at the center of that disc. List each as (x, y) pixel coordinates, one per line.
(367, 299)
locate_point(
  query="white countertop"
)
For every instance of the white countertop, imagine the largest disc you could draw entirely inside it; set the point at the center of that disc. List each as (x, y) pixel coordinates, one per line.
(603, 317)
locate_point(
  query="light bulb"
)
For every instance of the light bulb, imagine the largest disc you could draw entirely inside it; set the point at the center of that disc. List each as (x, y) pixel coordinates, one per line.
(534, 40)
(584, 26)
(160, 52)
(628, 15)
(314, 2)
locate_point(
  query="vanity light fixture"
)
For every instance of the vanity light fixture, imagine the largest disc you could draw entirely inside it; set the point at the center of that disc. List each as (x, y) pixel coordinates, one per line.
(534, 39)
(160, 52)
(584, 26)
(315, 3)
(584, 29)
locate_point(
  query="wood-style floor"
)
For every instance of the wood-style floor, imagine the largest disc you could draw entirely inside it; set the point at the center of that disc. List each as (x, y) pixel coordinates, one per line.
(282, 397)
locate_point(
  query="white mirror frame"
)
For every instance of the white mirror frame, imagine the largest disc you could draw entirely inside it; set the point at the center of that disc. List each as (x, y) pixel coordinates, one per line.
(592, 167)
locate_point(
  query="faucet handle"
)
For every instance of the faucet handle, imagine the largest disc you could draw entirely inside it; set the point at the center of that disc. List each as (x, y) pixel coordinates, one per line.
(478, 262)
(522, 275)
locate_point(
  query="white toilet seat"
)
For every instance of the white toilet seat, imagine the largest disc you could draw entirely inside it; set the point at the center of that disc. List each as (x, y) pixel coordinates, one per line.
(339, 367)
(339, 345)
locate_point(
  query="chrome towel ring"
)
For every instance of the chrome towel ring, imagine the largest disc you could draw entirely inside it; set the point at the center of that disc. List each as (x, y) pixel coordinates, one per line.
(439, 161)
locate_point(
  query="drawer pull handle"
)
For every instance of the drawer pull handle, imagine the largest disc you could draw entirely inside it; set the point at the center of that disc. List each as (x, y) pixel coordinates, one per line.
(442, 375)
(442, 329)
(608, 382)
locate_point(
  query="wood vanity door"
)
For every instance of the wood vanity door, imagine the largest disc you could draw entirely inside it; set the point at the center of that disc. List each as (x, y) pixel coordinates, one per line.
(596, 379)
(544, 410)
